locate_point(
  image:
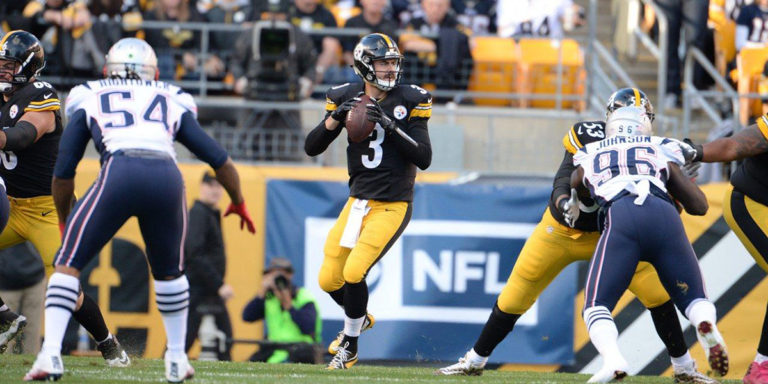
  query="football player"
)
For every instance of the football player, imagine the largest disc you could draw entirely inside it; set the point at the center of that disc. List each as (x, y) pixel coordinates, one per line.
(568, 233)
(745, 207)
(382, 169)
(629, 175)
(133, 121)
(31, 121)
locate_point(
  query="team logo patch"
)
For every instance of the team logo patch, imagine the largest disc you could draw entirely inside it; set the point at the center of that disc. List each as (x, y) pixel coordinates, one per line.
(14, 110)
(400, 112)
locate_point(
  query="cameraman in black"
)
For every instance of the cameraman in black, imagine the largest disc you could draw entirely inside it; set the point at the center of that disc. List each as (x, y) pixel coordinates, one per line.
(290, 314)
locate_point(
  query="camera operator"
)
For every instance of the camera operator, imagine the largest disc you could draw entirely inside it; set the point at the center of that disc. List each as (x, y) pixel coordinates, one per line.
(290, 314)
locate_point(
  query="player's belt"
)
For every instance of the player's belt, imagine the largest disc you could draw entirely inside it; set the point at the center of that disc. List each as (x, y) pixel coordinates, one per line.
(142, 153)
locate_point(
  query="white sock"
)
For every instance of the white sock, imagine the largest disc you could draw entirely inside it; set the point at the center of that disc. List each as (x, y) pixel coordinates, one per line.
(760, 358)
(60, 301)
(172, 298)
(701, 310)
(476, 359)
(352, 326)
(603, 333)
(683, 362)
(4, 308)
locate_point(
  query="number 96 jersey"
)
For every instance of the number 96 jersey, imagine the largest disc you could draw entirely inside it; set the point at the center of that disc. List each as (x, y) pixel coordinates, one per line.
(28, 172)
(379, 166)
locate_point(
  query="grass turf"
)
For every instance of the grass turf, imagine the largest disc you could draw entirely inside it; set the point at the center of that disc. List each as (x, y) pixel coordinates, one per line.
(93, 370)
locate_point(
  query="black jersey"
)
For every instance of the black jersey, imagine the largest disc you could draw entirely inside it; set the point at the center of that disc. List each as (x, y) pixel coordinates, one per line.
(751, 176)
(580, 134)
(383, 166)
(28, 172)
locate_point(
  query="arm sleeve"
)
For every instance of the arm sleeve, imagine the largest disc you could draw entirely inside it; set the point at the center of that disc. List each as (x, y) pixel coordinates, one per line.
(198, 263)
(198, 142)
(254, 310)
(421, 155)
(562, 183)
(319, 138)
(305, 318)
(72, 146)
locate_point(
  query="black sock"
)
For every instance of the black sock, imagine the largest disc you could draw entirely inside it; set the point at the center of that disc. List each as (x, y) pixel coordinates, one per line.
(763, 346)
(498, 326)
(668, 327)
(351, 342)
(1, 302)
(338, 296)
(89, 316)
(356, 299)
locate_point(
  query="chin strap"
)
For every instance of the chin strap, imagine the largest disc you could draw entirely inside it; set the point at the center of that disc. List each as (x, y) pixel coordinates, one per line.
(5, 87)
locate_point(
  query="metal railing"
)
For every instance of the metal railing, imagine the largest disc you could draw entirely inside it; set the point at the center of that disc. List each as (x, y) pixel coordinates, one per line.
(690, 92)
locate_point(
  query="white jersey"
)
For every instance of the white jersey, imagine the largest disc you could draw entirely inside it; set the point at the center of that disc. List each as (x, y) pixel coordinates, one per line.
(531, 18)
(131, 114)
(617, 164)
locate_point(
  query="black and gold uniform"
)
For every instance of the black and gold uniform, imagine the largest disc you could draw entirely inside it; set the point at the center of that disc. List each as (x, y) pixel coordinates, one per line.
(28, 173)
(553, 245)
(382, 170)
(745, 206)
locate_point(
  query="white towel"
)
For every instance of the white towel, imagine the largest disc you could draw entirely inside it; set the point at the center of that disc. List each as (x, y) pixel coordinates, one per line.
(642, 189)
(354, 221)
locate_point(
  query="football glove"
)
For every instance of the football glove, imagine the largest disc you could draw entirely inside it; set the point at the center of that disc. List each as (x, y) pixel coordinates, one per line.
(570, 208)
(691, 152)
(691, 170)
(245, 218)
(341, 111)
(377, 115)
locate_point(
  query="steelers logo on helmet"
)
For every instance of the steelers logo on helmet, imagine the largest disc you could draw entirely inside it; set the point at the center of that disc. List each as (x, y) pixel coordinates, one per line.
(25, 50)
(372, 48)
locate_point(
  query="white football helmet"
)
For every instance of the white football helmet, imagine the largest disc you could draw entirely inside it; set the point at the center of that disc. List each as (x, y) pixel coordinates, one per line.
(131, 58)
(628, 121)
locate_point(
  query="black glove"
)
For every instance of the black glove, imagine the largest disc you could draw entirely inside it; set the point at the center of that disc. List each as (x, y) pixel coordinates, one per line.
(377, 115)
(696, 154)
(341, 111)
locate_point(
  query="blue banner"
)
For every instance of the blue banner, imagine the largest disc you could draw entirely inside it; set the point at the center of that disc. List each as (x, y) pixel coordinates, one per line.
(433, 291)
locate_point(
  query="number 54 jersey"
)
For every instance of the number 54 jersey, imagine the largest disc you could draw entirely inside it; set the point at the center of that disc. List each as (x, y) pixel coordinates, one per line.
(619, 164)
(131, 114)
(28, 172)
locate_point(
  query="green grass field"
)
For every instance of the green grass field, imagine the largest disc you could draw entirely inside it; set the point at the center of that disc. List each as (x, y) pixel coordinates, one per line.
(92, 370)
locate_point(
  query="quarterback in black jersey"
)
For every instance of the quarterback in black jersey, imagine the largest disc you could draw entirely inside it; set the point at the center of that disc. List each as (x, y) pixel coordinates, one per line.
(745, 207)
(382, 170)
(555, 243)
(29, 141)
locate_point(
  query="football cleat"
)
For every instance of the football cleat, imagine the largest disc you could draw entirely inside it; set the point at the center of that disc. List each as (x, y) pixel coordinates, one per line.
(610, 372)
(714, 347)
(343, 359)
(178, 369)
(463, 368)
(47, 367)
(691, 375)
(113, 353)
(11, 325)
(368, 323)
(757, 373)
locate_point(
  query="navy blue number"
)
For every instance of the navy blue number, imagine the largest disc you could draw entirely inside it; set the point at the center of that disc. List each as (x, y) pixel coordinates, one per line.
(611, 165)
(160, 104)
(638, 162)
(106, 108)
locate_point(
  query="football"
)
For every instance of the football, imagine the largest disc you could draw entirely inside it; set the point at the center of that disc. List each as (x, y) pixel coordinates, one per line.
(357, 123)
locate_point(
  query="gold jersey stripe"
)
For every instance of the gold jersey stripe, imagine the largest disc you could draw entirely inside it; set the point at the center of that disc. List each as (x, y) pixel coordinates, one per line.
(44, 102)
(425, 113)
(762, 124)
(54, 107)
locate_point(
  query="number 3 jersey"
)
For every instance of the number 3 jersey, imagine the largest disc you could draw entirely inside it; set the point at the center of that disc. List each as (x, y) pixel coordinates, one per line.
(131, 114)
(379, 167)
(633, 164)
(28, 172)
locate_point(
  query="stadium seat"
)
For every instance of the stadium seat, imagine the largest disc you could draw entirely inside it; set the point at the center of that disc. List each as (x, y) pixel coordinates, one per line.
(749, 67)
(495, 60)
(725, 44)
(538, 71)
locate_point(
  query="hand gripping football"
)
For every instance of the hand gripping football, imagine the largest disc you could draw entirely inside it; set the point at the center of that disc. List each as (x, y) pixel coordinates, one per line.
(357, 123)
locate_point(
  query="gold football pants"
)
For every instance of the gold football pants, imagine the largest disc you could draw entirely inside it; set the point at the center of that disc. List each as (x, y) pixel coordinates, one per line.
(35, 220)
(380, 229)
(749, 221)
(551, 248)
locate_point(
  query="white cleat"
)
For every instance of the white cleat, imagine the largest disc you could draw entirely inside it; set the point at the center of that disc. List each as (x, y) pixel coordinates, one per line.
(714, 347)
(691, 375)
(47, 367)
(178, 369)
(464, 367)
(113, 353)
(11, 325)
(610, 372)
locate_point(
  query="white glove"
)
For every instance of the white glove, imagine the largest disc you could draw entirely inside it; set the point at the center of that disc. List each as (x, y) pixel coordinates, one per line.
(570, 208)
(691, 170)
(689, 151)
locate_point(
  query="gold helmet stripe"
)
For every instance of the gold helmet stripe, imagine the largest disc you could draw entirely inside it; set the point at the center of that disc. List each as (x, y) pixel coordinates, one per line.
(637, 97)
(2, 42)
(387, 39)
